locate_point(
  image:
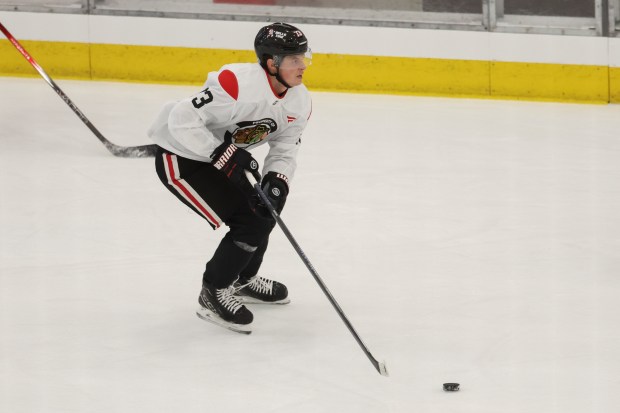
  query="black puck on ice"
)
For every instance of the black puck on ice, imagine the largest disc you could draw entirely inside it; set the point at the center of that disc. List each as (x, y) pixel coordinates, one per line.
(451, 386)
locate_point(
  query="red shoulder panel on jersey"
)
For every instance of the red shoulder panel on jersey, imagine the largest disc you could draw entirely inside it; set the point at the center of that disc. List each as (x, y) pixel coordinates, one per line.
(229, 83)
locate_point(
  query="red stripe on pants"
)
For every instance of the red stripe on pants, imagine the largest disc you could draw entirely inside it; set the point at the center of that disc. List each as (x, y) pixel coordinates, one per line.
(188, 194)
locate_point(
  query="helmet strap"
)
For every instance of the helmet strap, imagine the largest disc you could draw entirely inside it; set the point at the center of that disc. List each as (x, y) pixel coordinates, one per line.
(279, 78)
(276, 75)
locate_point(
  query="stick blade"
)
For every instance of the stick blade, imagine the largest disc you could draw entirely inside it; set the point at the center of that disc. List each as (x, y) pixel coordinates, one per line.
(379, 366)
(144, 151)
(382, 369)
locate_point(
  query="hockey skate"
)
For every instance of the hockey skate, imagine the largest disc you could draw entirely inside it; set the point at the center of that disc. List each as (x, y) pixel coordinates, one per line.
(259, 290)
(222, 307)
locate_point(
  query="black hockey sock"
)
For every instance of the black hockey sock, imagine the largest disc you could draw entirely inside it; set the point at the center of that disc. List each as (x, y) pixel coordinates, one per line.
(251, 269)
(227, 262)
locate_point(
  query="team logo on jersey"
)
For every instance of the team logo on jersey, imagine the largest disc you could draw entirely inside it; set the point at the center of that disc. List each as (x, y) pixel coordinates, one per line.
(254, 131)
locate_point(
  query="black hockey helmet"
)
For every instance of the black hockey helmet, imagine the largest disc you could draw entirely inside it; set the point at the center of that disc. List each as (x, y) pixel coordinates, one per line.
(279, 39)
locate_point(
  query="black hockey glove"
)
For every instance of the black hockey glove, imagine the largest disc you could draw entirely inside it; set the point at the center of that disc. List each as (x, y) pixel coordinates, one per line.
(233, 162)
(275, 186)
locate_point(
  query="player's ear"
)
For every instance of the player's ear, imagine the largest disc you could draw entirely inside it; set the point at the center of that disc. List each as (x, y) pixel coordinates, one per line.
(271, 66)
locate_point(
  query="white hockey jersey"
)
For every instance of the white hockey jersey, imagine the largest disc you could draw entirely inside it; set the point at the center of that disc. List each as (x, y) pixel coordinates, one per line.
(238, 105)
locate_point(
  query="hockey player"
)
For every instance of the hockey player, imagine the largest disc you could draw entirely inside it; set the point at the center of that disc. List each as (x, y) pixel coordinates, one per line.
(204, 142)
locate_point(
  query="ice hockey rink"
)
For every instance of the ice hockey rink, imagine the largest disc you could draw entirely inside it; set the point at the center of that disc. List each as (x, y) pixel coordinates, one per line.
(469, 241)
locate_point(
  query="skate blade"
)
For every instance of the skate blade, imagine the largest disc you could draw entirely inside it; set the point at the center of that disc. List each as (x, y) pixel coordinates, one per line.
(211, 317)
(246, 299)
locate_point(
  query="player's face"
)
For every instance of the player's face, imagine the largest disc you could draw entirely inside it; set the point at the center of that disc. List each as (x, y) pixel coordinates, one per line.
(292, 68)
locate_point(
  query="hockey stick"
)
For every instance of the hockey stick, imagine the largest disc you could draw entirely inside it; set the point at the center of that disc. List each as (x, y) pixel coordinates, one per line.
(380, 366)
(143, 151)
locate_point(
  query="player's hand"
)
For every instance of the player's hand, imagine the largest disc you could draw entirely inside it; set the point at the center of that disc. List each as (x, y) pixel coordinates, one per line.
(233, 162)
(275, 186)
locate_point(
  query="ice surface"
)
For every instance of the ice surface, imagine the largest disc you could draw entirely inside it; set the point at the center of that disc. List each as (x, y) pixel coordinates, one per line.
(469, 241)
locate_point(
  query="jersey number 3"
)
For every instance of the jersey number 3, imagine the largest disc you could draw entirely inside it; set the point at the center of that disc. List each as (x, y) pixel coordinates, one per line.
(204, 98)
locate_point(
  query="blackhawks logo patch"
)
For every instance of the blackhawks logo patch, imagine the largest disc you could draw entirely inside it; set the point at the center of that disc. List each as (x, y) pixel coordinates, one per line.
(252, 132)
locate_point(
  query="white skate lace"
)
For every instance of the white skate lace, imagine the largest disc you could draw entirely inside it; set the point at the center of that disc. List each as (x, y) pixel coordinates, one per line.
(226, 297)
(260, 285)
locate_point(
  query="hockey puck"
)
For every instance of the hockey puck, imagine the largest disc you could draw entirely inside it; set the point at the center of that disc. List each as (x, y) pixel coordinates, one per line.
(451, 387)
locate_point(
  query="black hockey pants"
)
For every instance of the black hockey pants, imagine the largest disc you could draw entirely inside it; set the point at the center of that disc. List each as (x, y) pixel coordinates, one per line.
(215, 198)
